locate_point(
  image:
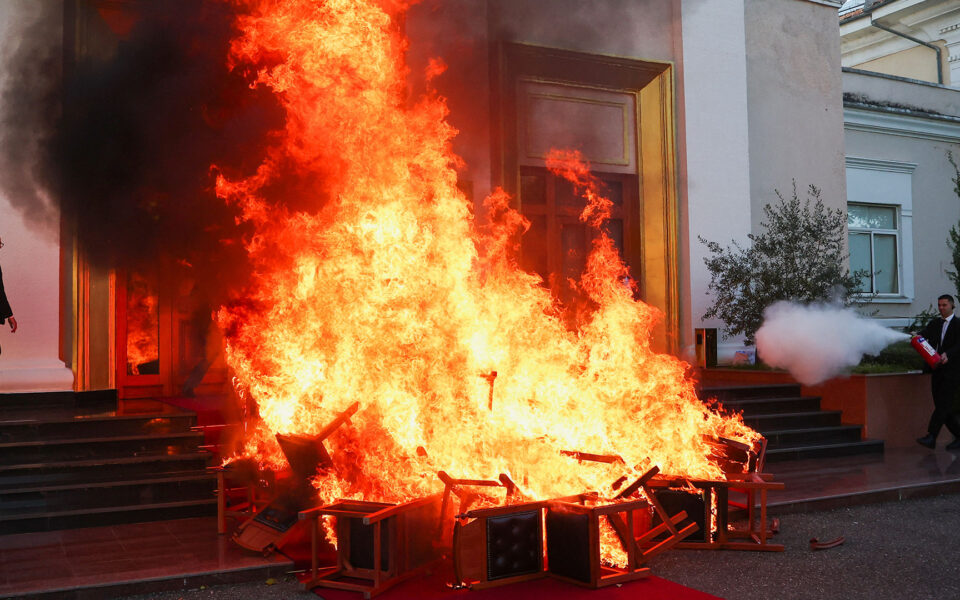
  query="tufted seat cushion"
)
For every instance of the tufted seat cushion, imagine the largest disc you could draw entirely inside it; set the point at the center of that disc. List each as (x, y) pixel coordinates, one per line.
(514, 545)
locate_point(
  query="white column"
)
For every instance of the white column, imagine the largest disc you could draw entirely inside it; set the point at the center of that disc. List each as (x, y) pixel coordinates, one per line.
(716, 142)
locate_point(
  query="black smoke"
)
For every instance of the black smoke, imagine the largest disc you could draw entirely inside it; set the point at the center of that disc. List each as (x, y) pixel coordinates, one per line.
(124, 140)
(31, 101)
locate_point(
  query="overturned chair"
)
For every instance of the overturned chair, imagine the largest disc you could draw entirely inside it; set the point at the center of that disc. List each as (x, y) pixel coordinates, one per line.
(378, 545)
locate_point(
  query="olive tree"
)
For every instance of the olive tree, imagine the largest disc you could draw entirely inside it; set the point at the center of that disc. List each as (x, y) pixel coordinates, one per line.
(953, 239)
(800, 255)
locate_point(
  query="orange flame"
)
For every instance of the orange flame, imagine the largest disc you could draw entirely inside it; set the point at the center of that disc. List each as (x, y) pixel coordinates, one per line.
(389, 294)
(142, 315)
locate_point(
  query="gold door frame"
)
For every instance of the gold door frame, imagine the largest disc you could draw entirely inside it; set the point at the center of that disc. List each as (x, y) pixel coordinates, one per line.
(653, 85)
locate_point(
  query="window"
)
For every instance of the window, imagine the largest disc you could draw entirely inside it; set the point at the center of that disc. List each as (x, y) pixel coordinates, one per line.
(880, 222)
(874, 243)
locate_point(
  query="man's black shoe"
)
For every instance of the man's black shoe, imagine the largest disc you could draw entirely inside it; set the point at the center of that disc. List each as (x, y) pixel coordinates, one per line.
(954, 445)
(931, 442)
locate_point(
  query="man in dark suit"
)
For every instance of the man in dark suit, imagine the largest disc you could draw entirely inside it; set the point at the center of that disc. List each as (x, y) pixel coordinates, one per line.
(6, 314)
(943, 333)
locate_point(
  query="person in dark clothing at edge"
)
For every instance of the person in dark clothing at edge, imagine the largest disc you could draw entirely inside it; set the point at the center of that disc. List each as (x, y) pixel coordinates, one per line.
(6, 313)
(943, 333)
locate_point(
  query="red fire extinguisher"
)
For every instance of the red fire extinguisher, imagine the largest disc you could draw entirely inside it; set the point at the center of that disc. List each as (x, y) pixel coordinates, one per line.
(923, 347)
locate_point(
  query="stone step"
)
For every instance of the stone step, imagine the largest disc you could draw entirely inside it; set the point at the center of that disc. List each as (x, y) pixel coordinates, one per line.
(794, 425)
(813, 435)
(795, 420)
(186, 554)
(824, 450)
(71, 460)
(85, 423)
(760, 406)
(742, 392)
(28, 502)
(76, 449)
(28, 475)
(111, 515)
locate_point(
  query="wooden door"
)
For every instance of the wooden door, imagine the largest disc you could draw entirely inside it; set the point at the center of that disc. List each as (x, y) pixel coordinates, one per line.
(163, 334)
(143, 342)
(557, 244)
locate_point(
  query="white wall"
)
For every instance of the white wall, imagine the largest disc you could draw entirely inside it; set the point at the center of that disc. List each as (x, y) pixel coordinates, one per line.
(897, 122)
(762, 107)
(30, 260)
(796, 101)
(715, 163)
(935, 206)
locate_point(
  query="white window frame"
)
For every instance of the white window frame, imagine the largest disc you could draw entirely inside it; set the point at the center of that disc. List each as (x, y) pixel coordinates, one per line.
(872, 232)
(887, 183)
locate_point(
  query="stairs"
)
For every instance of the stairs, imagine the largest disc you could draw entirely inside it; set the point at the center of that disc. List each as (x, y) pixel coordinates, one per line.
(72, 460)
(794, 425)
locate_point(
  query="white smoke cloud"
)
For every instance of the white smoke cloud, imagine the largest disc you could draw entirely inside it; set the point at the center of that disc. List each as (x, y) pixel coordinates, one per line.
(816, 342)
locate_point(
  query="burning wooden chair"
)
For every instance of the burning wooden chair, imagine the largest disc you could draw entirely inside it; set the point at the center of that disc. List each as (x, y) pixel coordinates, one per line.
(241, 492)
(736, 458)
(698, 497)
(573, 532)
(459, 489)
(378, 545)
(677, 500)
(498, 545)
(495, 545)
(667, 533)
(504, 544)
(275, 520)
(573, 540)
(743, 465)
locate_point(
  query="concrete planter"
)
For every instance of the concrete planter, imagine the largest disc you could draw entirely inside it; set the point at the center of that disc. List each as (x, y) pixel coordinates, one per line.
(893, 407)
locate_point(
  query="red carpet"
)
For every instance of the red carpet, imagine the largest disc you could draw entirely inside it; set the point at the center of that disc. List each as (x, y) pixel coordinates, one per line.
(433, 587)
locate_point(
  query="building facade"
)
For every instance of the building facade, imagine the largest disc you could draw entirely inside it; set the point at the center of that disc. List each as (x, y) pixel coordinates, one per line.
(693, 111)
(902, 123)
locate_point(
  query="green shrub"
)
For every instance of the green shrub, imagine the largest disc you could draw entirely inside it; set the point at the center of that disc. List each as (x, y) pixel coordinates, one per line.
(800, 256)
(920, 321)
(953, 241)
(897, 357)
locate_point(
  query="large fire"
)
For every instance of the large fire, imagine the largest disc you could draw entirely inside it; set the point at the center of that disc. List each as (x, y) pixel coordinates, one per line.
(143, 315)
(391, 294)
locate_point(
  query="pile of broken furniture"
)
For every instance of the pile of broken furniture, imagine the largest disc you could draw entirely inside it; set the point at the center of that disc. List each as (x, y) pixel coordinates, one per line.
(492, 533)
